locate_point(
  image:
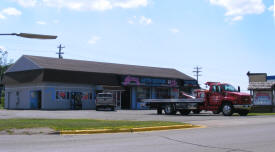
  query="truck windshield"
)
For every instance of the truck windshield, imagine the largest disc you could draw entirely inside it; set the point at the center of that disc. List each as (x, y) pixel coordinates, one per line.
(228, 87)
(104, 95)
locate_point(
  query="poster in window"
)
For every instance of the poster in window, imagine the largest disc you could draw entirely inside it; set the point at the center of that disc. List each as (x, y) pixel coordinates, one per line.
(262, 98)
(85, 96)
(60, 95)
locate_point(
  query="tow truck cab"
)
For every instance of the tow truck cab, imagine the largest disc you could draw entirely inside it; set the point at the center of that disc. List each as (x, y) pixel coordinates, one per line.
(223, 97)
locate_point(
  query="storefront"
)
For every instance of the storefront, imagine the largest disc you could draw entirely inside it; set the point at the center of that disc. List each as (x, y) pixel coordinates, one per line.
(262, 90)
(149, 88)
(49, 83)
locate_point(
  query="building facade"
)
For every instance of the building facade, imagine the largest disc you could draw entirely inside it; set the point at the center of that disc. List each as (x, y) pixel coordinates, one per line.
(262, 90)
(35, 82)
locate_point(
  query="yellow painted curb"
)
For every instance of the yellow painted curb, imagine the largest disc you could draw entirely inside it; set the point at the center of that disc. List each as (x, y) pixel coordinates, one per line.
(97, 131)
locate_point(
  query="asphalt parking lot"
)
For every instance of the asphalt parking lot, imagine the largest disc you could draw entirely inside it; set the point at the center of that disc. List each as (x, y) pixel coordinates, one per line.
(222, 134)
(205, 118)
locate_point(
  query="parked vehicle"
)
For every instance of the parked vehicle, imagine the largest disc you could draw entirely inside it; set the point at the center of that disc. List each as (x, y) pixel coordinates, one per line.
(104, 101)
(221, 97)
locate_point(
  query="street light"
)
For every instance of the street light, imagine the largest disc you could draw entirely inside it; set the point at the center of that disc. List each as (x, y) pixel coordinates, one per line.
(32, 36)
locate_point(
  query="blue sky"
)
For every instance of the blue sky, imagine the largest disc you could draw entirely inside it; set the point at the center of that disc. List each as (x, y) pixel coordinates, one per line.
(226, 38)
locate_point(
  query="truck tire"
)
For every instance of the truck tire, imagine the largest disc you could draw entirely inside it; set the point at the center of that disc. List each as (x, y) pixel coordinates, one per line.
(159, 111)
(184, 112)
(169, 109)
(196, 111)
(227, 109)
(243, 112)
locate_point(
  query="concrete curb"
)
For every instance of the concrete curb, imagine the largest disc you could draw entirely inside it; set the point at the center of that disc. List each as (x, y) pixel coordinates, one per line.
(97, 131)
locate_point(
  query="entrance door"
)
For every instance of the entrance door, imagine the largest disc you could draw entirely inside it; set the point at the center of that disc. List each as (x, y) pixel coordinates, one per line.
(126, 98)
(117, 98)
(35, 99)
(76, 103)
(8, 103)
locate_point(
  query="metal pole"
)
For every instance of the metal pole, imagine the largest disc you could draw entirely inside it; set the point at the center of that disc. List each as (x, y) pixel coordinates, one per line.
(32, 36)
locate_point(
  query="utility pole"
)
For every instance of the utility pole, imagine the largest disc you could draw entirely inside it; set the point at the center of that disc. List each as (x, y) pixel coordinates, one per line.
(60, 47)
(197, 72)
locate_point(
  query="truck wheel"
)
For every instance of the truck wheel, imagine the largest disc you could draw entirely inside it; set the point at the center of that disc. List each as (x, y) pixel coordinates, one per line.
(243, 113)
(227, 109)
(185, 112)
(196, 111)
(159, 111)
(169, 110)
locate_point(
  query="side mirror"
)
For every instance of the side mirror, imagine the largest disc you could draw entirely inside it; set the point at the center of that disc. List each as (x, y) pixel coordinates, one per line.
(239, 89)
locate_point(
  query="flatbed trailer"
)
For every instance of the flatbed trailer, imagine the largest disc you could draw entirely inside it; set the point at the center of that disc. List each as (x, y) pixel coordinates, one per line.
(171, 106)
(221, 97)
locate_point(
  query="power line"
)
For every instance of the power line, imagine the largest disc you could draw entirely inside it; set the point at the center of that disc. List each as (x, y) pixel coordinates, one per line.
(197, 72)
(60, 47)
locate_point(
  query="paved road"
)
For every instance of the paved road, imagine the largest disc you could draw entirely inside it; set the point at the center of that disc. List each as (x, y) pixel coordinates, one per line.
(223, 134)
(206, 118)
(259, 137)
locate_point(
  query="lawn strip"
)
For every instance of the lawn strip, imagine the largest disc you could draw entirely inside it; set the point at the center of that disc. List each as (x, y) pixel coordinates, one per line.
(78, 124)
(261, 114)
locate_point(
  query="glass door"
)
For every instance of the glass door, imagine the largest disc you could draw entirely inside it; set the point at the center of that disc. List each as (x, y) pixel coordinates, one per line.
(118, 99)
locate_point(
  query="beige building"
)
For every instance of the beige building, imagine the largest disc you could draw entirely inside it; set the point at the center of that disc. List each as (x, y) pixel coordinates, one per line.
(262, 89)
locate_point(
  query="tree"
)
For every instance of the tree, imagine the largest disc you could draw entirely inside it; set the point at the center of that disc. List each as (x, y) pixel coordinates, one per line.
(4, 65)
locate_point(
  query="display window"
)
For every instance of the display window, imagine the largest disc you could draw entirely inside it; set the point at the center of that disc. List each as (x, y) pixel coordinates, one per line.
(61, 95)
(142, 93)
(175, 93)
(85, 96)
(262, 98)
(163, 93)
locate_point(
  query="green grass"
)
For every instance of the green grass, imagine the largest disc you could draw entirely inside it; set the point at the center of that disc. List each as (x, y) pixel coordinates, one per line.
(260, 114)
(2, 103)
(76, 124)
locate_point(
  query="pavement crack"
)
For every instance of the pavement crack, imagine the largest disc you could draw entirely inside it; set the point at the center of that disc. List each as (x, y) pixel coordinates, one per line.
(200, 145)
(205, 146)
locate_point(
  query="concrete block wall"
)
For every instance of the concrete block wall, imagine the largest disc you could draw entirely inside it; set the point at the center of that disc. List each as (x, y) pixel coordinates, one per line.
(18, 97)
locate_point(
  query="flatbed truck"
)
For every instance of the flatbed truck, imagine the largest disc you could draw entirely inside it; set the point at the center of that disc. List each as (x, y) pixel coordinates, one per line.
(221, 97)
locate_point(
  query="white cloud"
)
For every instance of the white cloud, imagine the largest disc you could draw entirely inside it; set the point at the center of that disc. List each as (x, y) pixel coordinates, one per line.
(145, 21)
(2, 16)
(95, 5)
(140, 20)
(174, 30)
(131, 3)
(237, 18)
(101, 5)
(41, 22)
(11, 11)
(271, 8)
(2, 48)
(26, 3)
(94, 40)
(236, 9)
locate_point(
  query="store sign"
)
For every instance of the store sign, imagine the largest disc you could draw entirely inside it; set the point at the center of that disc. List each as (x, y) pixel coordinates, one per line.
(143, 81)
(190, 83)
(129, 80)
(262, 98)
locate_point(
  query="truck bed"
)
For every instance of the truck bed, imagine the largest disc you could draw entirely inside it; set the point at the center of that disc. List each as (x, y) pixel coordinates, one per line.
(197, 100)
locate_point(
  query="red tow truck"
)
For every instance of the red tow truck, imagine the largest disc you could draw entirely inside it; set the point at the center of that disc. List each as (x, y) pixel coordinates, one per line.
(221, 97)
